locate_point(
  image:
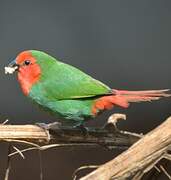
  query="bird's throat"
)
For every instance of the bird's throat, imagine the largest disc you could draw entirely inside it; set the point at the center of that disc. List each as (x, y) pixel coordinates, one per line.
(28, 76)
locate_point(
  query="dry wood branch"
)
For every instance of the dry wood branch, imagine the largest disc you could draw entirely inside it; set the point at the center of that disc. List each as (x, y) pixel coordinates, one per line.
(23, 132)
(63, 135)
(140, 157)
(109, 136)
(133, 163)
(41, 139)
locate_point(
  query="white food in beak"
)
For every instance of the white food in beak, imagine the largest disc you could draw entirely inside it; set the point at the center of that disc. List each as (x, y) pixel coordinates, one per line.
(10, 70)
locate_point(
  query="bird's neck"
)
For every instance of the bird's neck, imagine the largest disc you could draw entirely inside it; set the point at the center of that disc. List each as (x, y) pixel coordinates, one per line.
(27, 77)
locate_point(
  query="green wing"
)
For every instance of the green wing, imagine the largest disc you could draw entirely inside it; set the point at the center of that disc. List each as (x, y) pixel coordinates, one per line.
(62, 81)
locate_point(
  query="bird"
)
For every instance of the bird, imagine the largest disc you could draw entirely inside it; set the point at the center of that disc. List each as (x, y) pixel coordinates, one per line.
(67, 92)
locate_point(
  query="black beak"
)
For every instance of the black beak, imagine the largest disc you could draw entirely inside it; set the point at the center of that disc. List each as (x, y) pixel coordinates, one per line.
(12, 64)
(12, 67)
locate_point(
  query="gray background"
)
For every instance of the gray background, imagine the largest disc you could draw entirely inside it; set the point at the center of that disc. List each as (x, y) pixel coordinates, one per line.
(125, 44)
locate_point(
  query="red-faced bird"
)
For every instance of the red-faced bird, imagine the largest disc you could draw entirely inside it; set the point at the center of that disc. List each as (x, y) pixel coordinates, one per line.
(68, 92)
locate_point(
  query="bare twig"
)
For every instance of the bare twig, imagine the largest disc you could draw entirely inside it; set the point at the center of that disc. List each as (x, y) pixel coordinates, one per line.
(165, 172)
(74, 176)
(40, 165)
(19, 152)
(8, 163)
(5, 122)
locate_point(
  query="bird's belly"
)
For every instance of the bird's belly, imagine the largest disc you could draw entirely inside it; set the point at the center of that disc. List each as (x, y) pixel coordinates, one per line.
(68, 111)
(71, 109)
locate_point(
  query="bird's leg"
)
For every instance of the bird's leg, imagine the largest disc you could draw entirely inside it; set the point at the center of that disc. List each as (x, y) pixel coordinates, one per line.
(54, 125)
(58, 126)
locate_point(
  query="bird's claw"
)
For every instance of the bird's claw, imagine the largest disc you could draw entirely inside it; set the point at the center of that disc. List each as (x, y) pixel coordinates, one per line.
(54, 125)
(83, 129)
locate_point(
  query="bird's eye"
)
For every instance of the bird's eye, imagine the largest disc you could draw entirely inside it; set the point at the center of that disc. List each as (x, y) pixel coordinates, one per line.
(27, 62)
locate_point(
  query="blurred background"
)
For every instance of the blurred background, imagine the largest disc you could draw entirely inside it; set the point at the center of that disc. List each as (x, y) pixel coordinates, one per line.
(125, 44)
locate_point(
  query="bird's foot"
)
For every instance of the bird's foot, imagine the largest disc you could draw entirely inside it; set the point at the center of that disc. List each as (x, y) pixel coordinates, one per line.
(84, 130)
(54, 125)
(48, 127)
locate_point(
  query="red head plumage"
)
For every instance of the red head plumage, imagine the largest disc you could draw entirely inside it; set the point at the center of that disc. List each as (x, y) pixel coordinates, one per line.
(29, 71)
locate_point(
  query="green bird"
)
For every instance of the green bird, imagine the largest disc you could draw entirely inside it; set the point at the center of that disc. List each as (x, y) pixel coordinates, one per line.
(68, 92)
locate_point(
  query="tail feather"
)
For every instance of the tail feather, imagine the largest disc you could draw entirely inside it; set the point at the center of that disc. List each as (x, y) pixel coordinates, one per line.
(122, 98)
(161, 93)
(138, 96)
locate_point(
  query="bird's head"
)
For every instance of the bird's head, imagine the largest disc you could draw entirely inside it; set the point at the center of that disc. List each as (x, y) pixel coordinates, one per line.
(27, 67)
(25, 61)
(30, 66)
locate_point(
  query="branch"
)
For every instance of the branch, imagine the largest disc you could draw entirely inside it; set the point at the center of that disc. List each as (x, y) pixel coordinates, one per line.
(139, 158)
(109, 136)
(23, 132)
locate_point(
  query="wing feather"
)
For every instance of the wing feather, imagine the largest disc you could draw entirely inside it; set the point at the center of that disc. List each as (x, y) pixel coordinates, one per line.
(62, 81)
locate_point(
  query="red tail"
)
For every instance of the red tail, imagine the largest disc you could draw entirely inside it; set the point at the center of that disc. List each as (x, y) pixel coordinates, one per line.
(122, 98)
